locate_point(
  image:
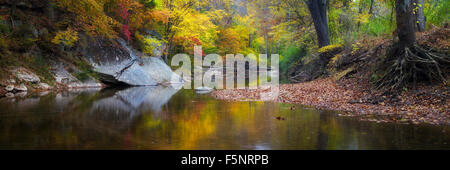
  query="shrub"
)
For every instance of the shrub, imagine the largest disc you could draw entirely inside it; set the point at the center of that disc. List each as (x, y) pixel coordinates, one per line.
(152, 3)
(3, 44)
(329, 48)
(4, 28)
(66, 38)
(148, 44)
(437, 12)
(90, 17)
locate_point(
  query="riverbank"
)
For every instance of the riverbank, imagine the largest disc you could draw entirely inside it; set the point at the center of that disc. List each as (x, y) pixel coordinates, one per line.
(346, 85)
(419, 105)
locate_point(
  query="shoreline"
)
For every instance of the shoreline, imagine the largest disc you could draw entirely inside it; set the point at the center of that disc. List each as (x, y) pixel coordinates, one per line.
(356, 100)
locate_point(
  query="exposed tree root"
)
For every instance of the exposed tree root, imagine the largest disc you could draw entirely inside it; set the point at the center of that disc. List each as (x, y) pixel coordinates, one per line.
(413, 64)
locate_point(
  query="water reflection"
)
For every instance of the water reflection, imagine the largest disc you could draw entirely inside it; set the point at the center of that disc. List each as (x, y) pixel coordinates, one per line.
(165, 118)
(130, 101)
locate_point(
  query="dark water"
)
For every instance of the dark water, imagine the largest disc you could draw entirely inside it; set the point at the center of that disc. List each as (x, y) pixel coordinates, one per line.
(164, 118)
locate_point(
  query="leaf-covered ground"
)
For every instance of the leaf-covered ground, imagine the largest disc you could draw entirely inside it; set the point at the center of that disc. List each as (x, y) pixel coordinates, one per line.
(420, 105)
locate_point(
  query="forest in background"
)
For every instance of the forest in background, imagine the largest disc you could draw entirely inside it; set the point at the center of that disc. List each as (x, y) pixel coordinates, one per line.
(298, 30)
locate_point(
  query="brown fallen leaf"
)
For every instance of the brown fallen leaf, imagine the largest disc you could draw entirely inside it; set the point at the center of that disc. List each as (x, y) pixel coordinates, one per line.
(280, 118)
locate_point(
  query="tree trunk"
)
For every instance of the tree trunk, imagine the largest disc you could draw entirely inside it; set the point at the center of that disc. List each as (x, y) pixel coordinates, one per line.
(371, 7)
(13, 13)
(410, 61)
(249, 40)
(360, 10)
(420, 15)
(266, 43)
(405, 23)
(272, 49)
(318, 11)
(49, 11)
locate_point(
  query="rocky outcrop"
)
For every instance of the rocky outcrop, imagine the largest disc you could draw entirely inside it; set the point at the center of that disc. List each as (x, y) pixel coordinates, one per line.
(21, 88)
(65, 78)
(25, 75)
(15, 86)
(44, 86)
(115, 64)
(14, 90)
(9, 88)
(121, 64)
(113, 61)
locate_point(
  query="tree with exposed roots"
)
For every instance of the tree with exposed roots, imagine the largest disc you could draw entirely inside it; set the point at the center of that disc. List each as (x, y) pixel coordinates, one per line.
(407, 60)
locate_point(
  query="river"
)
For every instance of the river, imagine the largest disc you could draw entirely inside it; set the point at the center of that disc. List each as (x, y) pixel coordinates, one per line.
(163, 118)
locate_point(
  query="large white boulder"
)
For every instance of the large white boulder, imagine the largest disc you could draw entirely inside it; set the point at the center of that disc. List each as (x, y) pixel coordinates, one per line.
(124, 65)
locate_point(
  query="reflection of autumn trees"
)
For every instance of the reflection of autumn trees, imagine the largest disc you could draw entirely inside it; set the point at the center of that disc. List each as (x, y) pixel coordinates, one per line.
(183, 129)
(191, 121)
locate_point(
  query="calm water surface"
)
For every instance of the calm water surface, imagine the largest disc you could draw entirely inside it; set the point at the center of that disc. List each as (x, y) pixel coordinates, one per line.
(165, 118)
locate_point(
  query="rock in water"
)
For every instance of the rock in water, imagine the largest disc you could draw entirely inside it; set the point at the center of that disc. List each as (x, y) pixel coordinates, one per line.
(11, 81)
(159, 71)
(22, 88)
(26, 75)
(44, 86)
(21, 94)
(10, 95)
(3, 92)
(134, 75)
(203, 90)
(124, 65)
(9, 88)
